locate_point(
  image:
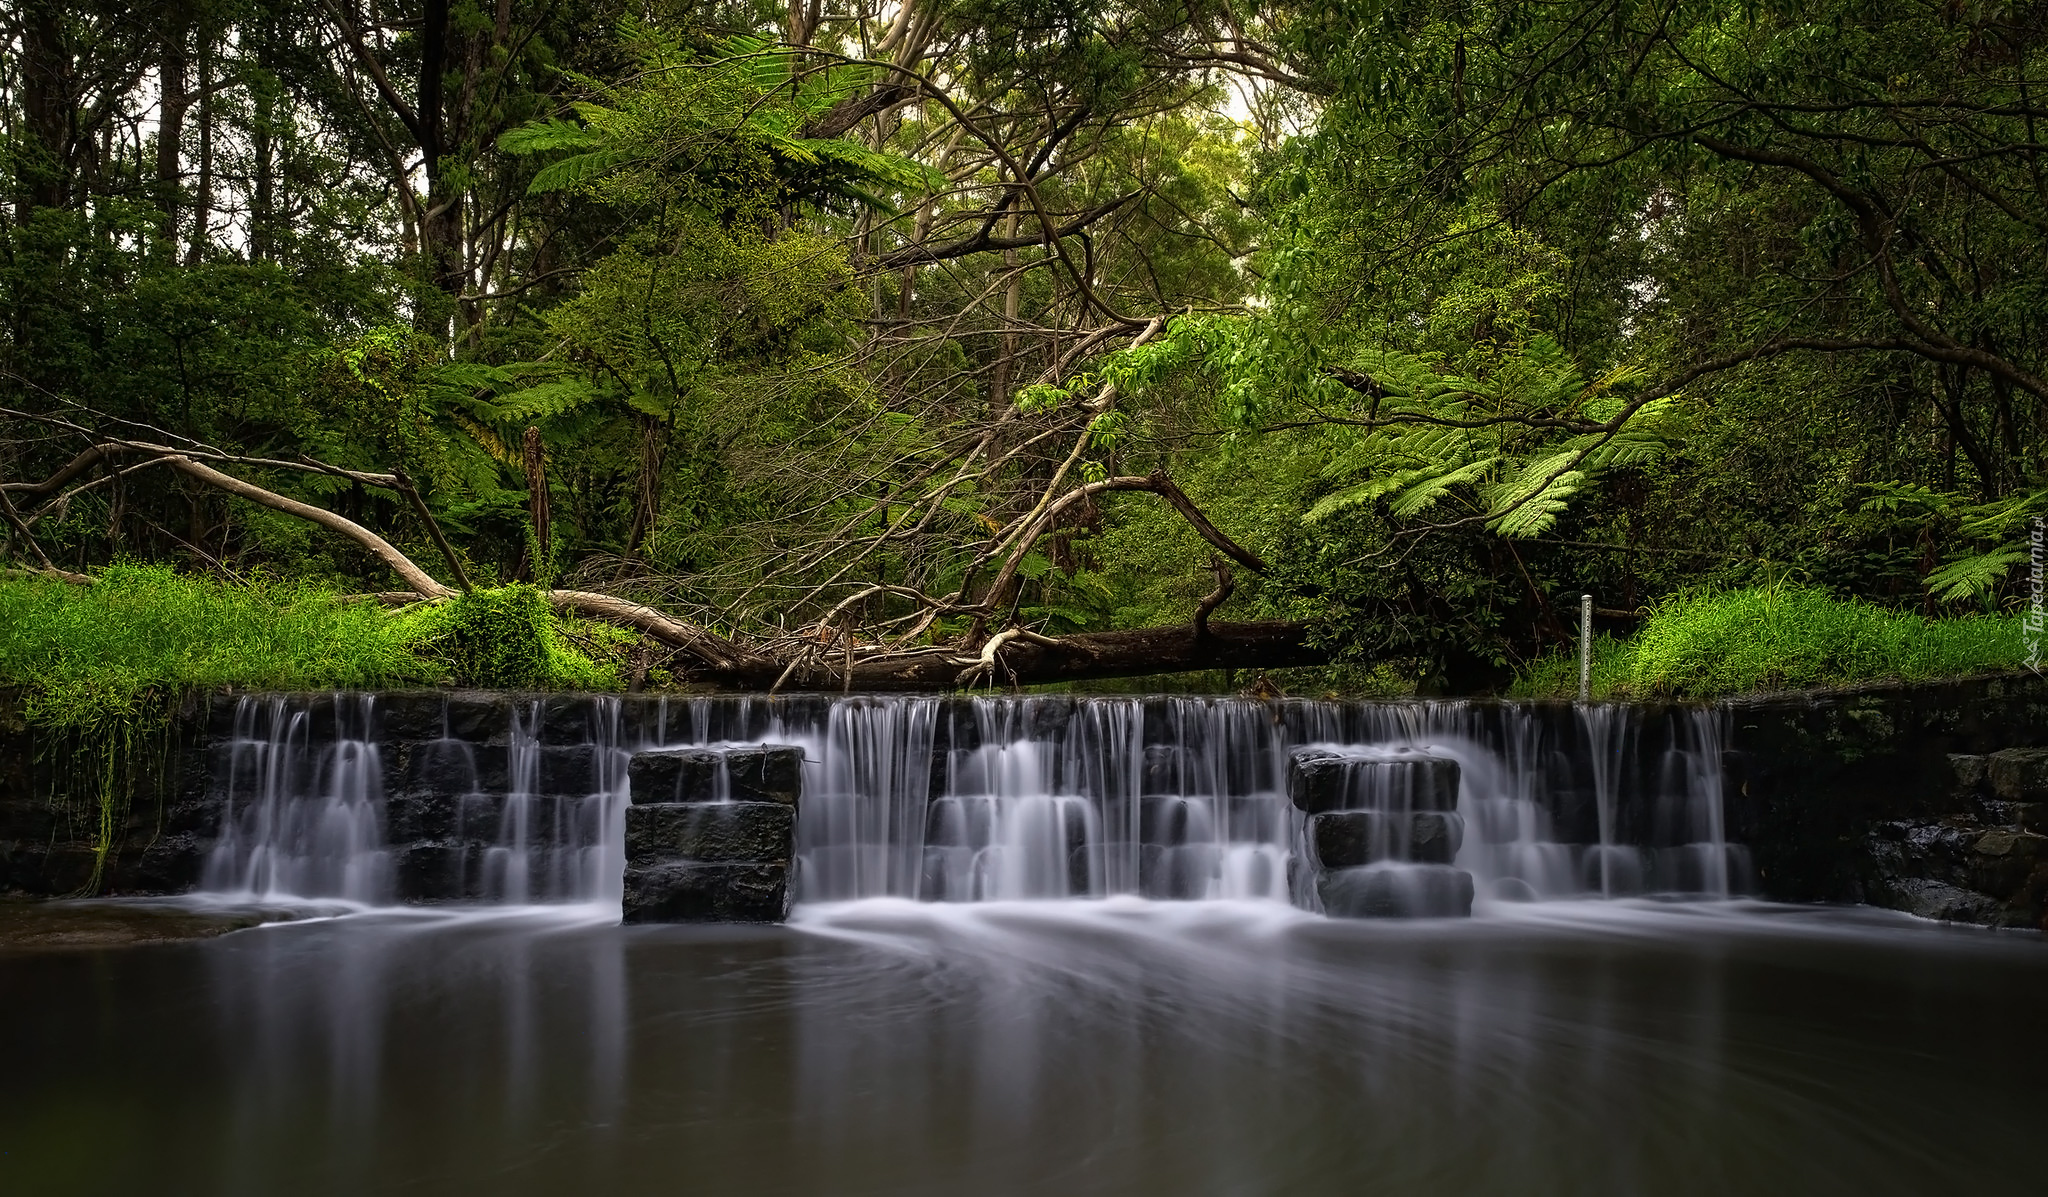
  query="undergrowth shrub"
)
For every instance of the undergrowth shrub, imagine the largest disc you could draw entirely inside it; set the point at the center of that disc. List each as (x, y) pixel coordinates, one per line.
(1709, 643)
(507, 638)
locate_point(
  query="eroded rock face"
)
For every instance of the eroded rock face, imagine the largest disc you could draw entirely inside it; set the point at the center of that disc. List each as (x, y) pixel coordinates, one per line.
(1987, 862)
(1925, 798)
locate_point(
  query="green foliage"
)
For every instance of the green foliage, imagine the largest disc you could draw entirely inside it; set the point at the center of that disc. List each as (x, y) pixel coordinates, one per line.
(721, 133)
(1415, 309)
(94, 656)
(1708, 644)
(505, 638)
(97, 654)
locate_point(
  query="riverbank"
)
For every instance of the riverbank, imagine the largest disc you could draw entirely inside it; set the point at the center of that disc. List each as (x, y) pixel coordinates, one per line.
(140, 637)
(28, 924)
(1742, 643)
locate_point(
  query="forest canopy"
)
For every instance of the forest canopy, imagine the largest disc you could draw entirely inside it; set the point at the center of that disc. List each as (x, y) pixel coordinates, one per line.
(952, 342)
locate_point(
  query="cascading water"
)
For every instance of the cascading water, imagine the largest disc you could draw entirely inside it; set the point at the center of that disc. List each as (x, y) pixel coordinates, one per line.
(307, 788)
(1043, 797)
(977, 799)
(303, 817)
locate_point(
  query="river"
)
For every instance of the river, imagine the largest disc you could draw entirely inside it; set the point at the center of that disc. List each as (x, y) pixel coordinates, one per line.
(1084, 1047)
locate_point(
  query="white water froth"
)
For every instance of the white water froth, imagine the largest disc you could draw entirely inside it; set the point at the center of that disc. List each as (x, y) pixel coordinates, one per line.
(997, 800)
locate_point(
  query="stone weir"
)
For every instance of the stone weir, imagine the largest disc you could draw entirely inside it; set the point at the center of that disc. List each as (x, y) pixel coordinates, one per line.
(1923, 798)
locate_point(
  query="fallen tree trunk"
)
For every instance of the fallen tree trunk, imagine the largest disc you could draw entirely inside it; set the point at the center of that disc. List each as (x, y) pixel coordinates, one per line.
(1083, 656)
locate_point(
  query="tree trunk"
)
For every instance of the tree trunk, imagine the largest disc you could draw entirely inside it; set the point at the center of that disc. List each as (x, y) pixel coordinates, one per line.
(263, 201)
(47, 108)
(1085, 656)
(202, 196)
(441, 222)
(170, 134)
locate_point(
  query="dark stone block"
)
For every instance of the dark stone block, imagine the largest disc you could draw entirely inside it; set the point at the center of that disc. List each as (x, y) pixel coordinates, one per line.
(707, 893)
(420, 814)
(1938, 900)
(570, 770)
(447, 766)
(2019, 774)
(1970, 774)
(1345, 839)
(1259, 818)
(172, 864)
(1396, 891)
(411, 716)
(1434, 837)
(1321, 780)
(479, 815)
(1176, 872)
(770, 773)
(1082, 865)
(958, 822)
(1170, 819)
(1348, 839)
(240, 767)
(710, 832)
(434, 872)
(1165, 768)
(569, 720)
(221, 712)
(475, 717)
(665, 775)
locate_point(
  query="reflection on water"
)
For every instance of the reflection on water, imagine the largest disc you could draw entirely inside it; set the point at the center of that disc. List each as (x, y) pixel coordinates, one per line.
(1073, 1048)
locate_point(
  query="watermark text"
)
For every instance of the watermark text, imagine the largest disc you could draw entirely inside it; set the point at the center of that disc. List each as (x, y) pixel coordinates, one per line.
(2037, 593)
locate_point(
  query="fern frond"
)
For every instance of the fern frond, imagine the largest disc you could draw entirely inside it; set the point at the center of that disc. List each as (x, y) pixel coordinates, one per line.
(1424, 494)
(1973, 576)
(1529, 503)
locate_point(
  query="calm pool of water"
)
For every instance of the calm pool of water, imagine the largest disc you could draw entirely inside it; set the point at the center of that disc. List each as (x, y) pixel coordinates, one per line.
(1056, 1048)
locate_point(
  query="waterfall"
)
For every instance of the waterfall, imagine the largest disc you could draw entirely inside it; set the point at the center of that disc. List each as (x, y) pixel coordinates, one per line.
(320, 800)
(423, 798)
(301, 817)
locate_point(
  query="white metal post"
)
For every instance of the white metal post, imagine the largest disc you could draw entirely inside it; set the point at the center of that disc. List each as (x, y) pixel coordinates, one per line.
(1585, 648)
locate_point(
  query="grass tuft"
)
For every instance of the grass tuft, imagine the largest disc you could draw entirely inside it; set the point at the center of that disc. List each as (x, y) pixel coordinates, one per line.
(1708, 644)
(85, 655)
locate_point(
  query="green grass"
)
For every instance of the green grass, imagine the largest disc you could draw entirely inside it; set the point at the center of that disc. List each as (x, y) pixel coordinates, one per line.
(1716, 643)
(82, 655)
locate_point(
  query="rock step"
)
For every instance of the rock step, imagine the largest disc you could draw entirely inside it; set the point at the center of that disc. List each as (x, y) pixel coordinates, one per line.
(1349, 838)
(755, 773)
(1321, 779)
(711, 833)
(686, 892)
(1396, 891)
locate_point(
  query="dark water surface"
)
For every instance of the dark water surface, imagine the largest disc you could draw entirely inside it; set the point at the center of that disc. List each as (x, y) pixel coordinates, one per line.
(1054, 1048)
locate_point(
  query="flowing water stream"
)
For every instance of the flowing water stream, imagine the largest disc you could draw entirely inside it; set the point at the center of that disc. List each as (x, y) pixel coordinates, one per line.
(1006, 798)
